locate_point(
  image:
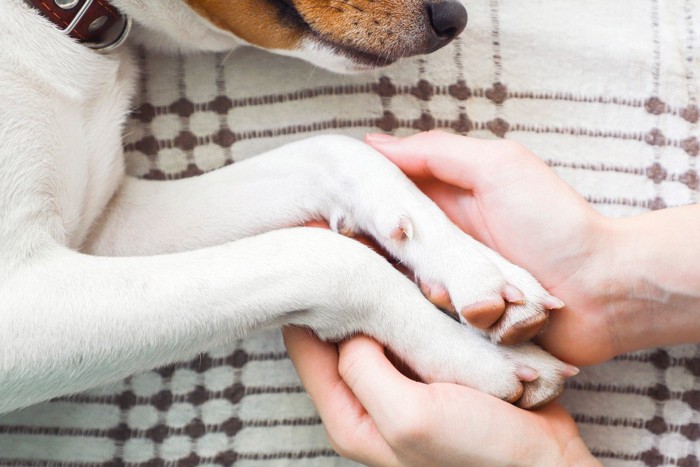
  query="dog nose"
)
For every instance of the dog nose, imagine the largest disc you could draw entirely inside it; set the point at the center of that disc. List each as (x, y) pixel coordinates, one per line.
(448, 19)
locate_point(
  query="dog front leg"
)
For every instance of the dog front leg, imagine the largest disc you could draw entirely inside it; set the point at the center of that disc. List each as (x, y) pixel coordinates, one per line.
(355, 188)
(282, 188)
(70, 321)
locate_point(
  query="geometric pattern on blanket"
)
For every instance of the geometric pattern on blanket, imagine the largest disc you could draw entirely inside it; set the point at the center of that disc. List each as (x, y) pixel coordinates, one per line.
(605, 92)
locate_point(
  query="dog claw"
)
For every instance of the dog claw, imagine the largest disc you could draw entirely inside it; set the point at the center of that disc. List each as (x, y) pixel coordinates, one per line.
(570, 371)
(553, 303)
(513, 295)
(536, 391)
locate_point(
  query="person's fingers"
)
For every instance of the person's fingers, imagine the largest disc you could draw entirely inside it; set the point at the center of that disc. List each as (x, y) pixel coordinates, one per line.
(470, 163)
(316, 362)
(350, 430)
(381, 389)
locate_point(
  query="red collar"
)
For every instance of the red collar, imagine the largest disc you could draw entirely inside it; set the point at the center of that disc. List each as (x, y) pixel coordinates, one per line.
(95, 23)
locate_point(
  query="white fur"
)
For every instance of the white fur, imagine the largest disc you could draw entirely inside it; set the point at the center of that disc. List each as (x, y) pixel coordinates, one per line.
(96, 285)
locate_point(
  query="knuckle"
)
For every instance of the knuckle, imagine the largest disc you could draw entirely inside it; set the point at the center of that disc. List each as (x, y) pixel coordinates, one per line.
(348, 367)
(408, 431)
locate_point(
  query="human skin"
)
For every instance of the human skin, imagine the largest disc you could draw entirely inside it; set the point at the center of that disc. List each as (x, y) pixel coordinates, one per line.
(627, 283)
(375, 415)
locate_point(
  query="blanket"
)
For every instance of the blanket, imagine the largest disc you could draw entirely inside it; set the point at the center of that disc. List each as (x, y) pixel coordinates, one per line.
(606, 92)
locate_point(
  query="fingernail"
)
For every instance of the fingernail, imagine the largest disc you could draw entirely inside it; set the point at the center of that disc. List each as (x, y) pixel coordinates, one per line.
(379, 138)
(553, 303)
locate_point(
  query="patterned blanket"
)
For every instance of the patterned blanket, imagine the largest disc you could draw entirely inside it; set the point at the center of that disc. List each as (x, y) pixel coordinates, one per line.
(606, 92)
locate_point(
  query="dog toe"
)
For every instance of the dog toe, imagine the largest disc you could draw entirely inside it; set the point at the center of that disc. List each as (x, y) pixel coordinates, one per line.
(522, 331)
(483, 315)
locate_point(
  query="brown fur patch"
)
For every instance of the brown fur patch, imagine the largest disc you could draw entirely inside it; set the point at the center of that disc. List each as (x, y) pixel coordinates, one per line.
(256, 21)
(385, 28)
(381, 27)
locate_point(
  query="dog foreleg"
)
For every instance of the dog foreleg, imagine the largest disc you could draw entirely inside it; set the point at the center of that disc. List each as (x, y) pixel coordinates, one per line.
(70, 321)
(356, 190)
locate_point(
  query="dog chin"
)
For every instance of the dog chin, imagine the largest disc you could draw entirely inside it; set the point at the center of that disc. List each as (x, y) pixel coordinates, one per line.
(334, 58)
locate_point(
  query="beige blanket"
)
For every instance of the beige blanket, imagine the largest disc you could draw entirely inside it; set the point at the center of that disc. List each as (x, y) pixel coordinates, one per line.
(605, 91)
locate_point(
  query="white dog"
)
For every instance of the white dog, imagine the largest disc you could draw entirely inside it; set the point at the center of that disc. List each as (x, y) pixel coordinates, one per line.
(102, 275)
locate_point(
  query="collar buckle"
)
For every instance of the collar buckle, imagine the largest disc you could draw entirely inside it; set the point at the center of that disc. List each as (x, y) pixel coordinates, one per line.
(95, 23)
(115, 38)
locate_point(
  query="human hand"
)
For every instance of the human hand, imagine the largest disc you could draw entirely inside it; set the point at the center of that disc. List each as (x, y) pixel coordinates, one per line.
(507, 198)
(375, 415)
(628, 283)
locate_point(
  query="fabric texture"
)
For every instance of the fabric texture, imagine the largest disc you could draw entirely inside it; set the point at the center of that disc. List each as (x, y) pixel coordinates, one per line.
(605, 92)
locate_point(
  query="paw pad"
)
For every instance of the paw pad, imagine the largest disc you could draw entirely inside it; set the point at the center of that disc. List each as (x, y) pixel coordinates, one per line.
(438, 296)
(523, 330)
(483, 315)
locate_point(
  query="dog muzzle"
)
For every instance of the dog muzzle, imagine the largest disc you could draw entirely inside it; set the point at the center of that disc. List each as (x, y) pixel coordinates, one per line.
(95, 23)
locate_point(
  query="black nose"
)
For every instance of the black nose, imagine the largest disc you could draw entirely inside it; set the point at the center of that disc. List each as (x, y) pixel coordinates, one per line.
(448, 19)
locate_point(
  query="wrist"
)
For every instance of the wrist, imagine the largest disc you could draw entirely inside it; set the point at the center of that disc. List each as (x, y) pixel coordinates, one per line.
(648, 283)
(570, 451)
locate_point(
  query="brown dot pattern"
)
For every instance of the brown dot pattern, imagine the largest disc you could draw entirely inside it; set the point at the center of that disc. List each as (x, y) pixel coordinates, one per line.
(613, 115)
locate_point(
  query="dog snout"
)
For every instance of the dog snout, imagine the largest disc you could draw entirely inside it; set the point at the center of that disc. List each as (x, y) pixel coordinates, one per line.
(447, 19)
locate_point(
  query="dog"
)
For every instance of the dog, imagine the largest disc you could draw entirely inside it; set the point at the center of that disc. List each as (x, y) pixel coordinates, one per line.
(103, 276)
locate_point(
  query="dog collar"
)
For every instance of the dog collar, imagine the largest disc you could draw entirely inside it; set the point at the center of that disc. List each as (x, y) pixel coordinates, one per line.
(95, 23)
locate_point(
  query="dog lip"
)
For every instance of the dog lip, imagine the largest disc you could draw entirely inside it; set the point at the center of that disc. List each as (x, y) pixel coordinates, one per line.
(361, 57)
(370, 59)
(438, 43)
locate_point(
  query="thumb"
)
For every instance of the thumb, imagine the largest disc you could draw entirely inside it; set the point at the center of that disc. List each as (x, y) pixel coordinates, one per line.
(374, 380)
(469, 163)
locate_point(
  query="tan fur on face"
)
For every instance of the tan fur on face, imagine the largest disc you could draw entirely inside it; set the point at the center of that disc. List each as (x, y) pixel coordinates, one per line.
(255, 21)
(387, 28)
(381, 27)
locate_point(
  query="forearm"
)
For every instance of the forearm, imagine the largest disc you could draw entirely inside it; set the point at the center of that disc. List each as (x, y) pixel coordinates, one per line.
(652, 285)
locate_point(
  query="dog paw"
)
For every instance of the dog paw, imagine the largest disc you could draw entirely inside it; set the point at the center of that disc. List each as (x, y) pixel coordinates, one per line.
(444, 351)
(378, 301)
(455, 272)
(478, 286)
(526, 311)
(464, 278)
(541, 375)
